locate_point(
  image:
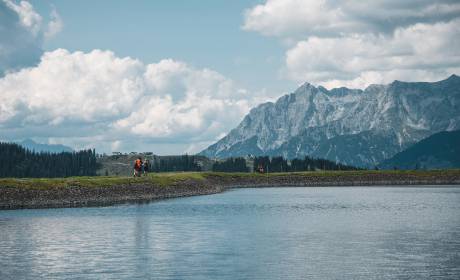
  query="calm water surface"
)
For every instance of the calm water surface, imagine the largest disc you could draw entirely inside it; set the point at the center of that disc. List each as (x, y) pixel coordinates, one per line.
(269, 233)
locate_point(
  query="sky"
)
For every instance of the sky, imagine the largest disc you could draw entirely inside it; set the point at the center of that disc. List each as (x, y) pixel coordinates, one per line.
(173, 77)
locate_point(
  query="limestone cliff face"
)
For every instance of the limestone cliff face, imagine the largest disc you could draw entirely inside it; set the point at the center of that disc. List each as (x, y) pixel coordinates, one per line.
(351, 126)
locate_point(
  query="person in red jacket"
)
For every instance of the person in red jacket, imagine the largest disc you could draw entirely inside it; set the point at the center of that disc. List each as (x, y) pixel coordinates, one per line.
(137, 167)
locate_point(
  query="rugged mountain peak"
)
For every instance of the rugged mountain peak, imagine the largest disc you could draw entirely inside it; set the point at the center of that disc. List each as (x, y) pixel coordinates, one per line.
(305, 86)
(453, 77)
(348, 125)
(375, 88)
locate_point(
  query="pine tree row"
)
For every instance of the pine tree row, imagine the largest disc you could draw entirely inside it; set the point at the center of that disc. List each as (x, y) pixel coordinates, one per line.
(279, 164)
(16, 161)
(175, 163)
(231, 165)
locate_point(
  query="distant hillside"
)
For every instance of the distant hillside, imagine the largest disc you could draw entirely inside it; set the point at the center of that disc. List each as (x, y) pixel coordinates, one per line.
(38, 147)
(440, 150)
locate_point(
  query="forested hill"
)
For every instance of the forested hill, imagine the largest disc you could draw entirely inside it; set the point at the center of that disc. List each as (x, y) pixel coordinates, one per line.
(16, 161)
(439, 151)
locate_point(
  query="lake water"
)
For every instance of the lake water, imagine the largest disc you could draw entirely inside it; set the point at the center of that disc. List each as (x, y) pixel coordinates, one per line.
(266, 233)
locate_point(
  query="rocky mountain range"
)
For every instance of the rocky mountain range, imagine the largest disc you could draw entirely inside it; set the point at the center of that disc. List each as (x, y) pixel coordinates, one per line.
(351, 126)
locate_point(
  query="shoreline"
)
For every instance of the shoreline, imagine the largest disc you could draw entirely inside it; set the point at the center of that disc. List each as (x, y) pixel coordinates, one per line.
(97, 191)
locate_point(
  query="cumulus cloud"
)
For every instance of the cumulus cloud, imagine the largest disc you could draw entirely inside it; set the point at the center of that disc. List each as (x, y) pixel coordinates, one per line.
(116, 102)
(22, 31)
(355, 43)
(361, 59)
(55, 25)
(330, 17)
(27, 15)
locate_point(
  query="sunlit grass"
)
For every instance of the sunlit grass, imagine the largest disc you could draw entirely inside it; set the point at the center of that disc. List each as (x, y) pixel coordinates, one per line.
(174, 178)
(160, 179)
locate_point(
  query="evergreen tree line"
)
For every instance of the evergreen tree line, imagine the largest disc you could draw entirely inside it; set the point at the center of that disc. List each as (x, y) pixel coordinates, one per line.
(175, 163)
(16, 161)
(231, 165)
(279, 164)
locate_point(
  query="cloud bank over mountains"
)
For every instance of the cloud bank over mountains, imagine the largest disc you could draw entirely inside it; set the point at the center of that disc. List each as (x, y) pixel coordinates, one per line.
(356, 43)
(111, 100)
(96, 99)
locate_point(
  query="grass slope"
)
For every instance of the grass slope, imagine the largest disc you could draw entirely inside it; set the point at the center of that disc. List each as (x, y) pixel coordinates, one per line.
(169, 179)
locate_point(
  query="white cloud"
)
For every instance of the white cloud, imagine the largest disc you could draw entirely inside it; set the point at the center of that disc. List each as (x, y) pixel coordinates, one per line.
(366, 58)
(290, 17)
(117, 102)
(55, 25)
(29, 18)
(22, 32)
(66, 87)
(97, 99)
(287, 18)
(33, 21)
(356, 43)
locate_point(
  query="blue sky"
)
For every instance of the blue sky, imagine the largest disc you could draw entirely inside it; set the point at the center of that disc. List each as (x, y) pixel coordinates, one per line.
(204, 33)
(175, 76)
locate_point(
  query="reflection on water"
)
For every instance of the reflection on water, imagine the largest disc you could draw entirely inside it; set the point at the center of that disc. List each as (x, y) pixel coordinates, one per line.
(272, 233)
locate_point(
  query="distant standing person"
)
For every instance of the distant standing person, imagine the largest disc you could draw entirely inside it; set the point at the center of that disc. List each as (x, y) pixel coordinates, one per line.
(137, 167)
(260, 168)
(146, 166)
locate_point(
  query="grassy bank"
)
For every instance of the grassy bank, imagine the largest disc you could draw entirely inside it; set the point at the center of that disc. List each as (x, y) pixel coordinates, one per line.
(164, 179)
(170, 179)
(98, 191)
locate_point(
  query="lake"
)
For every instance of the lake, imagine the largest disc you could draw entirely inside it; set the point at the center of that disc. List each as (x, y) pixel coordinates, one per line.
(258, 233)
